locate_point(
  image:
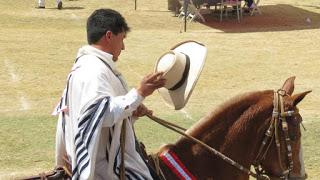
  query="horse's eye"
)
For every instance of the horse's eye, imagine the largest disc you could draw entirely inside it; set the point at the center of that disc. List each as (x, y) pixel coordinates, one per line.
(297, 119)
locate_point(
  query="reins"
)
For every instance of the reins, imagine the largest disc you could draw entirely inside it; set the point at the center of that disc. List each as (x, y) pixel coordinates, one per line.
(122, 149)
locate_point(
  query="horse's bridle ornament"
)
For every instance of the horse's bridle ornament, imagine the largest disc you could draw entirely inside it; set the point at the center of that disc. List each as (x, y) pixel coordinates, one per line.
(279, 116)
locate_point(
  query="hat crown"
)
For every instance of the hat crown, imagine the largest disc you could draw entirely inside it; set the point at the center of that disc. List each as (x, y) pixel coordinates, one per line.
(181, 67)
(173, 65)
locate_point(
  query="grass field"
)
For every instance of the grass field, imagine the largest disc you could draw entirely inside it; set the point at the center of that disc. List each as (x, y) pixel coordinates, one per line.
(38, 46)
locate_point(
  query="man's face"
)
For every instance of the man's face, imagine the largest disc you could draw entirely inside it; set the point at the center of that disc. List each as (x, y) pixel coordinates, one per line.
(117, 44)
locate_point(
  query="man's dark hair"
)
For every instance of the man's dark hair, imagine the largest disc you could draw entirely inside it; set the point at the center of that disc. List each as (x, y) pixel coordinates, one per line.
(103, 20)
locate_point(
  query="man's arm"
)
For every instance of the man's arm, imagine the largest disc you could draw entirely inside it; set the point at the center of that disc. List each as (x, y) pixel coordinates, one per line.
(121, 107)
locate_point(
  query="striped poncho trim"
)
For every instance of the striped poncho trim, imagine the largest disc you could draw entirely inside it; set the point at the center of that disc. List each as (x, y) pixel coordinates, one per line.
(89, 125)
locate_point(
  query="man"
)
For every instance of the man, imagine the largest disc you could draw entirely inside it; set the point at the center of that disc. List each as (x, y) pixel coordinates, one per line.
(96, 103)
(41, 4)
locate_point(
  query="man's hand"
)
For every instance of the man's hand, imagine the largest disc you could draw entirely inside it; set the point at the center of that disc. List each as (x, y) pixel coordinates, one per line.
(142, 110)
(150, 83)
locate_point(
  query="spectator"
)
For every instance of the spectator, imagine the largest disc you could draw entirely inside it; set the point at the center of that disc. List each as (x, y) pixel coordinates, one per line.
(41, 4)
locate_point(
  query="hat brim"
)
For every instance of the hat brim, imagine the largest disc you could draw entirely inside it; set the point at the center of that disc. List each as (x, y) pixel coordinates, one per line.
(197, 53)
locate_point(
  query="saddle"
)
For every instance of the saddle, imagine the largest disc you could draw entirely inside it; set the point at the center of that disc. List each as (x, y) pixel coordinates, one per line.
(59, 173)
(150, 161)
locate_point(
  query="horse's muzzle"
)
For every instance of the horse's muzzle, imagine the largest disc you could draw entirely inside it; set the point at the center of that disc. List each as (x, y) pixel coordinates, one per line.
(298, 177)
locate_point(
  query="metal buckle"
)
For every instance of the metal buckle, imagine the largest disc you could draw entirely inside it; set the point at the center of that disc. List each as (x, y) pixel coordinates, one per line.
(282, 92)
(287, 113)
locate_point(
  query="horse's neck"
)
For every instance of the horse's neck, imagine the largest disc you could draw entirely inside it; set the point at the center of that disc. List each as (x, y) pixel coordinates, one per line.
(237, 135)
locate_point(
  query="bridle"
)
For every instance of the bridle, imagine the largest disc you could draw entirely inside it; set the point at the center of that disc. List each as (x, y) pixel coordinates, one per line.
(278, 122)
(279, 116)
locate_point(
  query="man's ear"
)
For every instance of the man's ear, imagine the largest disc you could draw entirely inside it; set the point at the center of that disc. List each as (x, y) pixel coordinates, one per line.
(108, 34)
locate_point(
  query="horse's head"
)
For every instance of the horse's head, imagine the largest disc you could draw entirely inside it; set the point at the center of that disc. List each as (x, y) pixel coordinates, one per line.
(259, 128)
(284, 156)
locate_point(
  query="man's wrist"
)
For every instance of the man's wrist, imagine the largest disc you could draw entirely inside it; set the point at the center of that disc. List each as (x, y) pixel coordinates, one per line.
(140, 92)
(134, 98)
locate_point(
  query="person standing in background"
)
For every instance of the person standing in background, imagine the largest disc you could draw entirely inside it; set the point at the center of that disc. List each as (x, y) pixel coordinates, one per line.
(41, 4)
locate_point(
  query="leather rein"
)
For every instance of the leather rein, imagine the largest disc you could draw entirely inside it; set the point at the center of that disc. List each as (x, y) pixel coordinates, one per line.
(278, 117)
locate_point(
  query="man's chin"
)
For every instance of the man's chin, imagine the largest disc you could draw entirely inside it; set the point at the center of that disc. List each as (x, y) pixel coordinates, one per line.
(115, 59)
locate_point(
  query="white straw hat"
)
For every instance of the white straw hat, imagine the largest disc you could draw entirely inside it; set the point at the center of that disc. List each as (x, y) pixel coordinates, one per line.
(182, 67)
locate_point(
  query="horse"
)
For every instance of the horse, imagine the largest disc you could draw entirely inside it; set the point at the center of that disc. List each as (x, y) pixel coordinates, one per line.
(260, 129)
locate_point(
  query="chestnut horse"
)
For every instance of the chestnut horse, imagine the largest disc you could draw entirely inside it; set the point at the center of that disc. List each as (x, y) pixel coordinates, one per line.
(237, 130)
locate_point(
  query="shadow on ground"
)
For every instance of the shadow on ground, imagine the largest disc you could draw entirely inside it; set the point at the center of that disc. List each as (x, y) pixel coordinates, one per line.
(280, 17)
(68, 8)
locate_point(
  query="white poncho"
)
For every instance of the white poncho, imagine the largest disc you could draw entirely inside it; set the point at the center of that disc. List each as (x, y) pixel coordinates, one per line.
(91, 112)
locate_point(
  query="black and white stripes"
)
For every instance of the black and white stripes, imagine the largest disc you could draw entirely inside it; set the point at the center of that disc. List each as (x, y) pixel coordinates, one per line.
(130, 174)
(88, 126)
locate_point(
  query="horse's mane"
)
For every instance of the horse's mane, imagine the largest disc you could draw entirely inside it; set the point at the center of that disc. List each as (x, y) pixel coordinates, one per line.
(239, 107)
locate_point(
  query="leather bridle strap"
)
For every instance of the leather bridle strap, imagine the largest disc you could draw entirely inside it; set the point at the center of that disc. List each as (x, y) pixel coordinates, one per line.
(278, 120)
(285, 130)
(269, 135)
(284, 125)
(278, 145)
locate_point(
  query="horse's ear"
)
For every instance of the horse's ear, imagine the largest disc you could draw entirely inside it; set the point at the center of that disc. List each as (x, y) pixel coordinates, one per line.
(288, 85)
(298, 97)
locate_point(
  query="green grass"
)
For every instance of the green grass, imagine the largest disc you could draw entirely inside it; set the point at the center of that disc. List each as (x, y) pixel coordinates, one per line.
(38, 47)
(27, 142)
